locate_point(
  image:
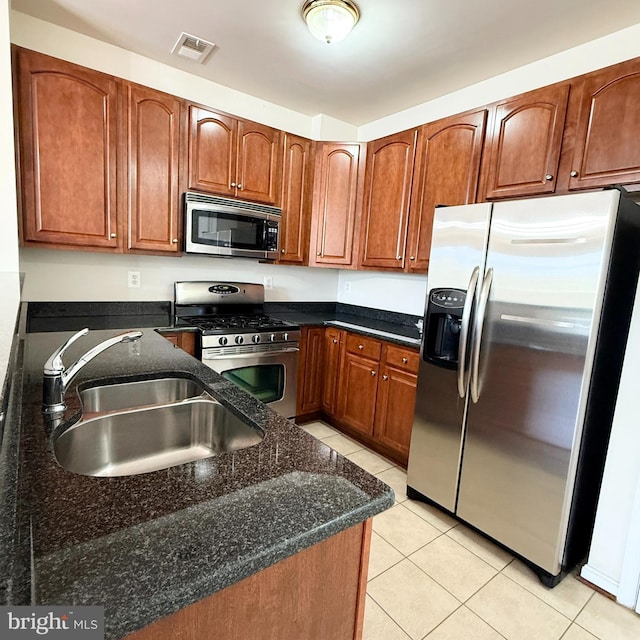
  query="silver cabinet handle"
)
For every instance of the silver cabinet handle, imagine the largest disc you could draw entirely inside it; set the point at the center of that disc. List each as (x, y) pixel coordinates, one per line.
(239, 186)
(113, 235)
(385, 377)
(282, 251)
(477, 336)
(548, 177)
(398, 257)
(574, 174)
(373, 373)
(361, 347)
(412, 258)
(175, 241)
(463, 376)
(405, 360)
(335, 341)
(318, 254)
(233, 184)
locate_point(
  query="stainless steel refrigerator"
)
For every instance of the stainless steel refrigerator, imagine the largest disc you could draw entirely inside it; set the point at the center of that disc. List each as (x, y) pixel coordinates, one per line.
(526, 320)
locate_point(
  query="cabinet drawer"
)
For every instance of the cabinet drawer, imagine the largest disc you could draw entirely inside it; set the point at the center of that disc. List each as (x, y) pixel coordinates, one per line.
(401, 358)
(367, 347)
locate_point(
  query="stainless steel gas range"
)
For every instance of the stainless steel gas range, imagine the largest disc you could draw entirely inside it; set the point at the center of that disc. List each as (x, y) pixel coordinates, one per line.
(247, 347)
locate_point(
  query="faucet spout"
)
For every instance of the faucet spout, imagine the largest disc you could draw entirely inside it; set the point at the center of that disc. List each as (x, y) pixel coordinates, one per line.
(57, 378)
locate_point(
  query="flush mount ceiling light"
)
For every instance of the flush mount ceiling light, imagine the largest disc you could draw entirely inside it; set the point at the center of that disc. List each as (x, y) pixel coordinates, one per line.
(330, 20)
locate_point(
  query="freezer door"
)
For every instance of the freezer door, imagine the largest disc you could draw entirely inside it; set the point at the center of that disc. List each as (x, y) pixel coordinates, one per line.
(548, 259)
(458, 248)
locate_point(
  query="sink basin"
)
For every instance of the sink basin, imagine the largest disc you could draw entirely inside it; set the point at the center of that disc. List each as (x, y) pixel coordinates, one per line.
(153, 438)
(128, 395)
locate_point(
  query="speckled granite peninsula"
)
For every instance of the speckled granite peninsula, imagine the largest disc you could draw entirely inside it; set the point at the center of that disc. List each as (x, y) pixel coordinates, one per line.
(148, 545)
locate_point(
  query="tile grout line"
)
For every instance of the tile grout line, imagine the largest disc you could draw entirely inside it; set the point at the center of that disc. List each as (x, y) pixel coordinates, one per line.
(386, 613)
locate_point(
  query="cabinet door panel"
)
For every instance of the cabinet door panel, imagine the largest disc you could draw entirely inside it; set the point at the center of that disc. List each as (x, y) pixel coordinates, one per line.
(297, 191)
(607, 150)
(68, 173)
(333, 339)
(259, 162)
(212, 157)
(357, 394)
(388, 182)
(524, 151)
(395, 409)
(447, 170)
(311, 375)
(154, 148)
(334, 208)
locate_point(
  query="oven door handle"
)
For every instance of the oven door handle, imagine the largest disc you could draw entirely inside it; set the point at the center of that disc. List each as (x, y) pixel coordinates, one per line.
(207, 355)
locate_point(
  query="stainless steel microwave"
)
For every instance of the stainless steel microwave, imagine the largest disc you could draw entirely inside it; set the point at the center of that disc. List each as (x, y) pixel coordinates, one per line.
(225, 227)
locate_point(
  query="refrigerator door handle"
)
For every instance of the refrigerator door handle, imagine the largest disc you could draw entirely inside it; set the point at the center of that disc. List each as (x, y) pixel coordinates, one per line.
(463, 371)
(477, 334)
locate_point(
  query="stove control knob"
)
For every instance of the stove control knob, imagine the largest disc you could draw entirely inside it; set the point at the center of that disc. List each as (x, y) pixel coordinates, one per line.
(255, 339)
(239, 339)
(223, 340)
(272, 337)
(285, 336)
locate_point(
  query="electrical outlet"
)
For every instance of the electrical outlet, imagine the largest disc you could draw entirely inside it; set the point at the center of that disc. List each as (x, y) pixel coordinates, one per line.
(134, 279)
(347, 287)
(268, 282)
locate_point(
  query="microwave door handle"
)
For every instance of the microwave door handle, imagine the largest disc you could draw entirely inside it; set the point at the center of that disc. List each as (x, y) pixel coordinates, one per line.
(463, 371)
(477, 337)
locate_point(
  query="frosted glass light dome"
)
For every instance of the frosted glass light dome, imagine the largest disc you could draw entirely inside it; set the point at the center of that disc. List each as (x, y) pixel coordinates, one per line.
(330, 20)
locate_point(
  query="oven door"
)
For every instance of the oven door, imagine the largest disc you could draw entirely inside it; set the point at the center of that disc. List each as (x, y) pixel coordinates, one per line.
(270, 376)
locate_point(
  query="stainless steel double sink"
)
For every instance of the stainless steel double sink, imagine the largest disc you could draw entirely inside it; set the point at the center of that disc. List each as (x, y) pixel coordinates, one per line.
(137, 427)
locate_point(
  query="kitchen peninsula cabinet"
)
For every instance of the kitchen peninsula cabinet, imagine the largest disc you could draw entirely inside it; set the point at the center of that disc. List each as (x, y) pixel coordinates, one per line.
(522, 150)
(154, 132)
(68, 121)
(233, 157)
(337, 198)
(447, 173)
(387, 196)
(608, 126)
(297, 194)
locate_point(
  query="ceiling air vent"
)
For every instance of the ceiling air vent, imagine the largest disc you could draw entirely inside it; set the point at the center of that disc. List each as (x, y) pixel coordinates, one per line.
(192, 47)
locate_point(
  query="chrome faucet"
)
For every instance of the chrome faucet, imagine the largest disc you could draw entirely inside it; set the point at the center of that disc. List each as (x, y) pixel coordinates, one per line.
(57, 378)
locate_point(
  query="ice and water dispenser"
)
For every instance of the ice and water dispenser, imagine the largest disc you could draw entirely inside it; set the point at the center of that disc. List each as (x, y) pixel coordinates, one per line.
(442, 323)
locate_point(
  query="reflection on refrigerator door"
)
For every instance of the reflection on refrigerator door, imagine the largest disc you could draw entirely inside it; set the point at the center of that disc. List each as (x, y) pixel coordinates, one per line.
(520, 456)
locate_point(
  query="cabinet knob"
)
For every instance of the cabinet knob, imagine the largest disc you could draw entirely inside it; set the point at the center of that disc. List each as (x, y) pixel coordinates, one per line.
(361, 347)
(412, 258)
(175, 241)
(318, 254)
(113, 235)
(282, 251)
(405, 360)
(548, 177)
(398, 257)
(385, 377)
(239, 186)
(335, 341)
(233, 184)
(373, 373)
(574, 174)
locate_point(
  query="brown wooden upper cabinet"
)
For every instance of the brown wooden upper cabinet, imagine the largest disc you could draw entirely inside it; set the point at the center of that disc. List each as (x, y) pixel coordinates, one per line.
(153, 139)
(337, 188)
(608, 128)
(233, 157)
(522, 151)
(447, 171)
(68, 126)
(387, 195)
(297, 195)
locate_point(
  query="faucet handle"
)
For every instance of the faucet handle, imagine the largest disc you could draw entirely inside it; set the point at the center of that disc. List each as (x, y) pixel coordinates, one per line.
(54, 366)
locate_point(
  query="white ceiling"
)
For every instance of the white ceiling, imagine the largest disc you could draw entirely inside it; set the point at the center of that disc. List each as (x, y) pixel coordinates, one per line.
(401, 53)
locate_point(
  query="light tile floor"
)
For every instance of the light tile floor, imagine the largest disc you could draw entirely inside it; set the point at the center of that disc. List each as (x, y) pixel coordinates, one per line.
(431, 577)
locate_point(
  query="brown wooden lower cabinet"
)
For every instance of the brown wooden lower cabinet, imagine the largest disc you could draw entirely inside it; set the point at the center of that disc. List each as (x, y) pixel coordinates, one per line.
(367, 388)
(185, 340)
(317, 594)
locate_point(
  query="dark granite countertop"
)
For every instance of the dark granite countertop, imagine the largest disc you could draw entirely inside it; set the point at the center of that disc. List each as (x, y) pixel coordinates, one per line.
(145, 546)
